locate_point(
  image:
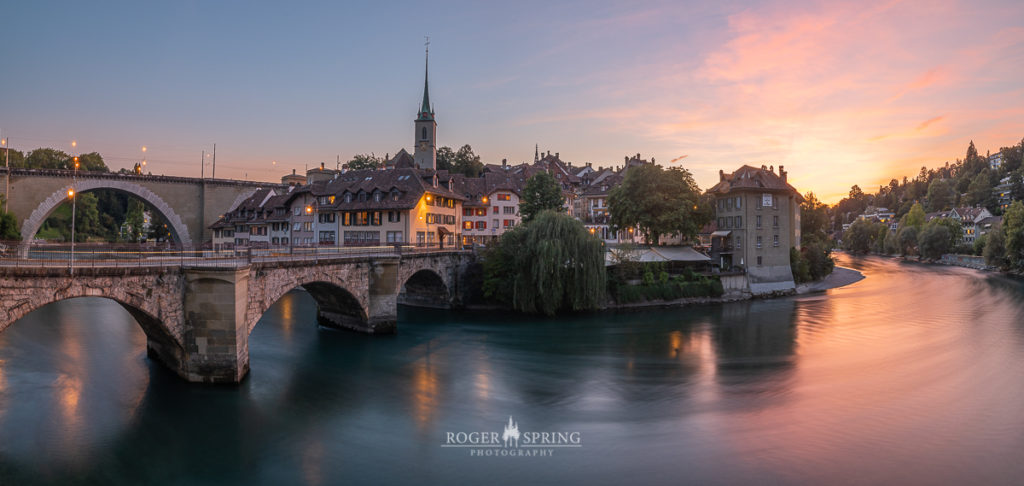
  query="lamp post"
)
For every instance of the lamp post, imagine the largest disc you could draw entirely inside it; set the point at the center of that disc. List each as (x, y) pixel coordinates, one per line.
(74, 207)
(312, 209)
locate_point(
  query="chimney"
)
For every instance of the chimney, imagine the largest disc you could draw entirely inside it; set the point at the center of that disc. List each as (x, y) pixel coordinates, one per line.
(549, 153)
(293, 171)
(782, 174)
(626, 158)
(652, 160)
(504, 163)
(771, 169)
(721, 175)
(556, 155)
(321, 166)
(590, 164)
(638, 156)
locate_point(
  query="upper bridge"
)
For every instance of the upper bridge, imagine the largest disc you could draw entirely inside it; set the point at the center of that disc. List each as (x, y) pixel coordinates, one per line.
(188, 204)
(197, 312)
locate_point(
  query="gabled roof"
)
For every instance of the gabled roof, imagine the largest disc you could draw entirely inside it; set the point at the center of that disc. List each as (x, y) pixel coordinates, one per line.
(747, 177)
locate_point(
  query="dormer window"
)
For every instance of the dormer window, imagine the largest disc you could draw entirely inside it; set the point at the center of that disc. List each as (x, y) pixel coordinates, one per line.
(348, 197)
(395, 195)
(378, 196)
(362, 196)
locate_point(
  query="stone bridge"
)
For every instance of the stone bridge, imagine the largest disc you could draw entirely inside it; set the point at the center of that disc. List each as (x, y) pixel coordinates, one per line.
(188, 204)
(197, 319)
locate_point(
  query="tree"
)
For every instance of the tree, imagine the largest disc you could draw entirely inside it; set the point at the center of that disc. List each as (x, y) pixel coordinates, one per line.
(466, 162)
(995, 248)
(814, 220)
(445, 158)
(933, 241)
(861, 236)
(364, 161)
(915, 217)
(91, 161)
(906, 240)
(659, 202)
(134, 220)
(47, 158)
(549, 264)
(541, 192)
(940, 195)
(8, 224)
(979, 192)
(1013, 230)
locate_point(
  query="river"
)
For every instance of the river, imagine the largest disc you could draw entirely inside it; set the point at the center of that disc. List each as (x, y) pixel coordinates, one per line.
(911, 375)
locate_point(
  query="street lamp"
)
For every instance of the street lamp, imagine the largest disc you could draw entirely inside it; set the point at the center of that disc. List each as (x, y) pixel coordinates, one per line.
(71, 263)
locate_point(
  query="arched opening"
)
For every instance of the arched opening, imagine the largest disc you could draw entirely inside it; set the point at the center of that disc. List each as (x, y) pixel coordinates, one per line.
(53, 215)
(425, 288)
(336, 306)
(75, 375)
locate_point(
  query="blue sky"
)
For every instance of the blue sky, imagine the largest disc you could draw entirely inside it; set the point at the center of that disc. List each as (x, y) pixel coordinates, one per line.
(841, 93)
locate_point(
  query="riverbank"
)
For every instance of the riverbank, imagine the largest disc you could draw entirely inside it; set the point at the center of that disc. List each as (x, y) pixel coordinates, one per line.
(840, 277)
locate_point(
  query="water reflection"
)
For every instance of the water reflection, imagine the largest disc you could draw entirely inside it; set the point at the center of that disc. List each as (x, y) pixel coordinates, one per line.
(906, 376)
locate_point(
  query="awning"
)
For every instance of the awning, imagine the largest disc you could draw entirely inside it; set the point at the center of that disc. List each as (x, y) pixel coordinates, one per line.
(721, 233)
(443, 230)
(680, 254)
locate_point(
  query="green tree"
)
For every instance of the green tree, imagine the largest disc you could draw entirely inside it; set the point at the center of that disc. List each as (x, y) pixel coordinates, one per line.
(906, 240)
(48, 158)
(8, 224)
(861, 236)
(933, 241)
(940, 195)
(466, 162)
(814, 219)
(549, 264)
(134, 220)
(979, 193)
(915, 217)
(364, 161)
(12, 158)
(542, 192)
(91, 161)
(1013, 230)
(445, 158)
(659, 202)
(995, 248)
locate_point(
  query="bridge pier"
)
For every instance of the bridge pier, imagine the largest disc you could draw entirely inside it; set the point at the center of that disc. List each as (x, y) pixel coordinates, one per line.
(216, 338)
(382, 309)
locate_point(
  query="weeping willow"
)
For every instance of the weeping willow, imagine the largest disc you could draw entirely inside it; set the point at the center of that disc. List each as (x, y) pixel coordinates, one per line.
(551, 263)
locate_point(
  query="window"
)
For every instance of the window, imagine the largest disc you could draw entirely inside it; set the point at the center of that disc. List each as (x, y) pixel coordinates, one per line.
(326, 237)
(739, 221)
(362, 196)
(495, 221)
(507, 223)
(430, 199)
(377, 219)
(758, 260)
(467, 211)
(467, 225)
(775, 221)
(758, 204)
(394, 216)
(481, 211)
(502, 197)
(298, 211)
(394, 237)
(423, 133)
(728, 204)
(739, 202)
(775, 241)
(480, 225)
(449, 219)
(295, 227)
(758, 219)
(495, 211)
(419, 237)
(431, 236)
(378, 196)
(739, 242)
(509, 210)
(348, 197)
(307, 226)
(759, 242)
(326, 217)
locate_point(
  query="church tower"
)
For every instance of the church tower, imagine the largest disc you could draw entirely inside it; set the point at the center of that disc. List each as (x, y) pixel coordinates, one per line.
(425, 153)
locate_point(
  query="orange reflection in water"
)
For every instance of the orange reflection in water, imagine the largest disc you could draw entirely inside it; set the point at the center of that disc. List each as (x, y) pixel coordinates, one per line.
(425, 392)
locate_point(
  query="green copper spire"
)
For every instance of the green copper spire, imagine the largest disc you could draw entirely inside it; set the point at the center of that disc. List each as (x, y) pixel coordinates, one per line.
(425, 112)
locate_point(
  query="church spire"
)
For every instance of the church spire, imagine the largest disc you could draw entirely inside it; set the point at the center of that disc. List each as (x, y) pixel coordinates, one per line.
(426, 113)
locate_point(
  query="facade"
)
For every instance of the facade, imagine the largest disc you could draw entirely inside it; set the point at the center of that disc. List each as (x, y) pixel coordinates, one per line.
(969, 219)
(491, 206)
(757, 216)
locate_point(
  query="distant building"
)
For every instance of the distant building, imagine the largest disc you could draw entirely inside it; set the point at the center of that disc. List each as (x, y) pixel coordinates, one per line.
(995, 161)
(969, 219)
(757, 215)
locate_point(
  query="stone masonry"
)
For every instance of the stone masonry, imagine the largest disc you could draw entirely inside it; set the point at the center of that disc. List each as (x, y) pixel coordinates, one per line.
(197, 320)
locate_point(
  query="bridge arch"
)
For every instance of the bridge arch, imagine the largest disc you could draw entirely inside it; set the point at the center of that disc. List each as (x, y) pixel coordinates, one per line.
(425, 287)
(336, 305)
(162, 340)
(35, 220)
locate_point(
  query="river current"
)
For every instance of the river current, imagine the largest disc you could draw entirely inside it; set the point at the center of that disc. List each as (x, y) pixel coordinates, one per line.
(910, 376)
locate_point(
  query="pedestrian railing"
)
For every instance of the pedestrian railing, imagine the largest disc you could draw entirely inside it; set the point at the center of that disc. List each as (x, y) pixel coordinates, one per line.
(121, 256)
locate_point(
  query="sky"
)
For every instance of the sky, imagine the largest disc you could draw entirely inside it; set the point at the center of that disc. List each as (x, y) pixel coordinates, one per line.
(840, 93)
